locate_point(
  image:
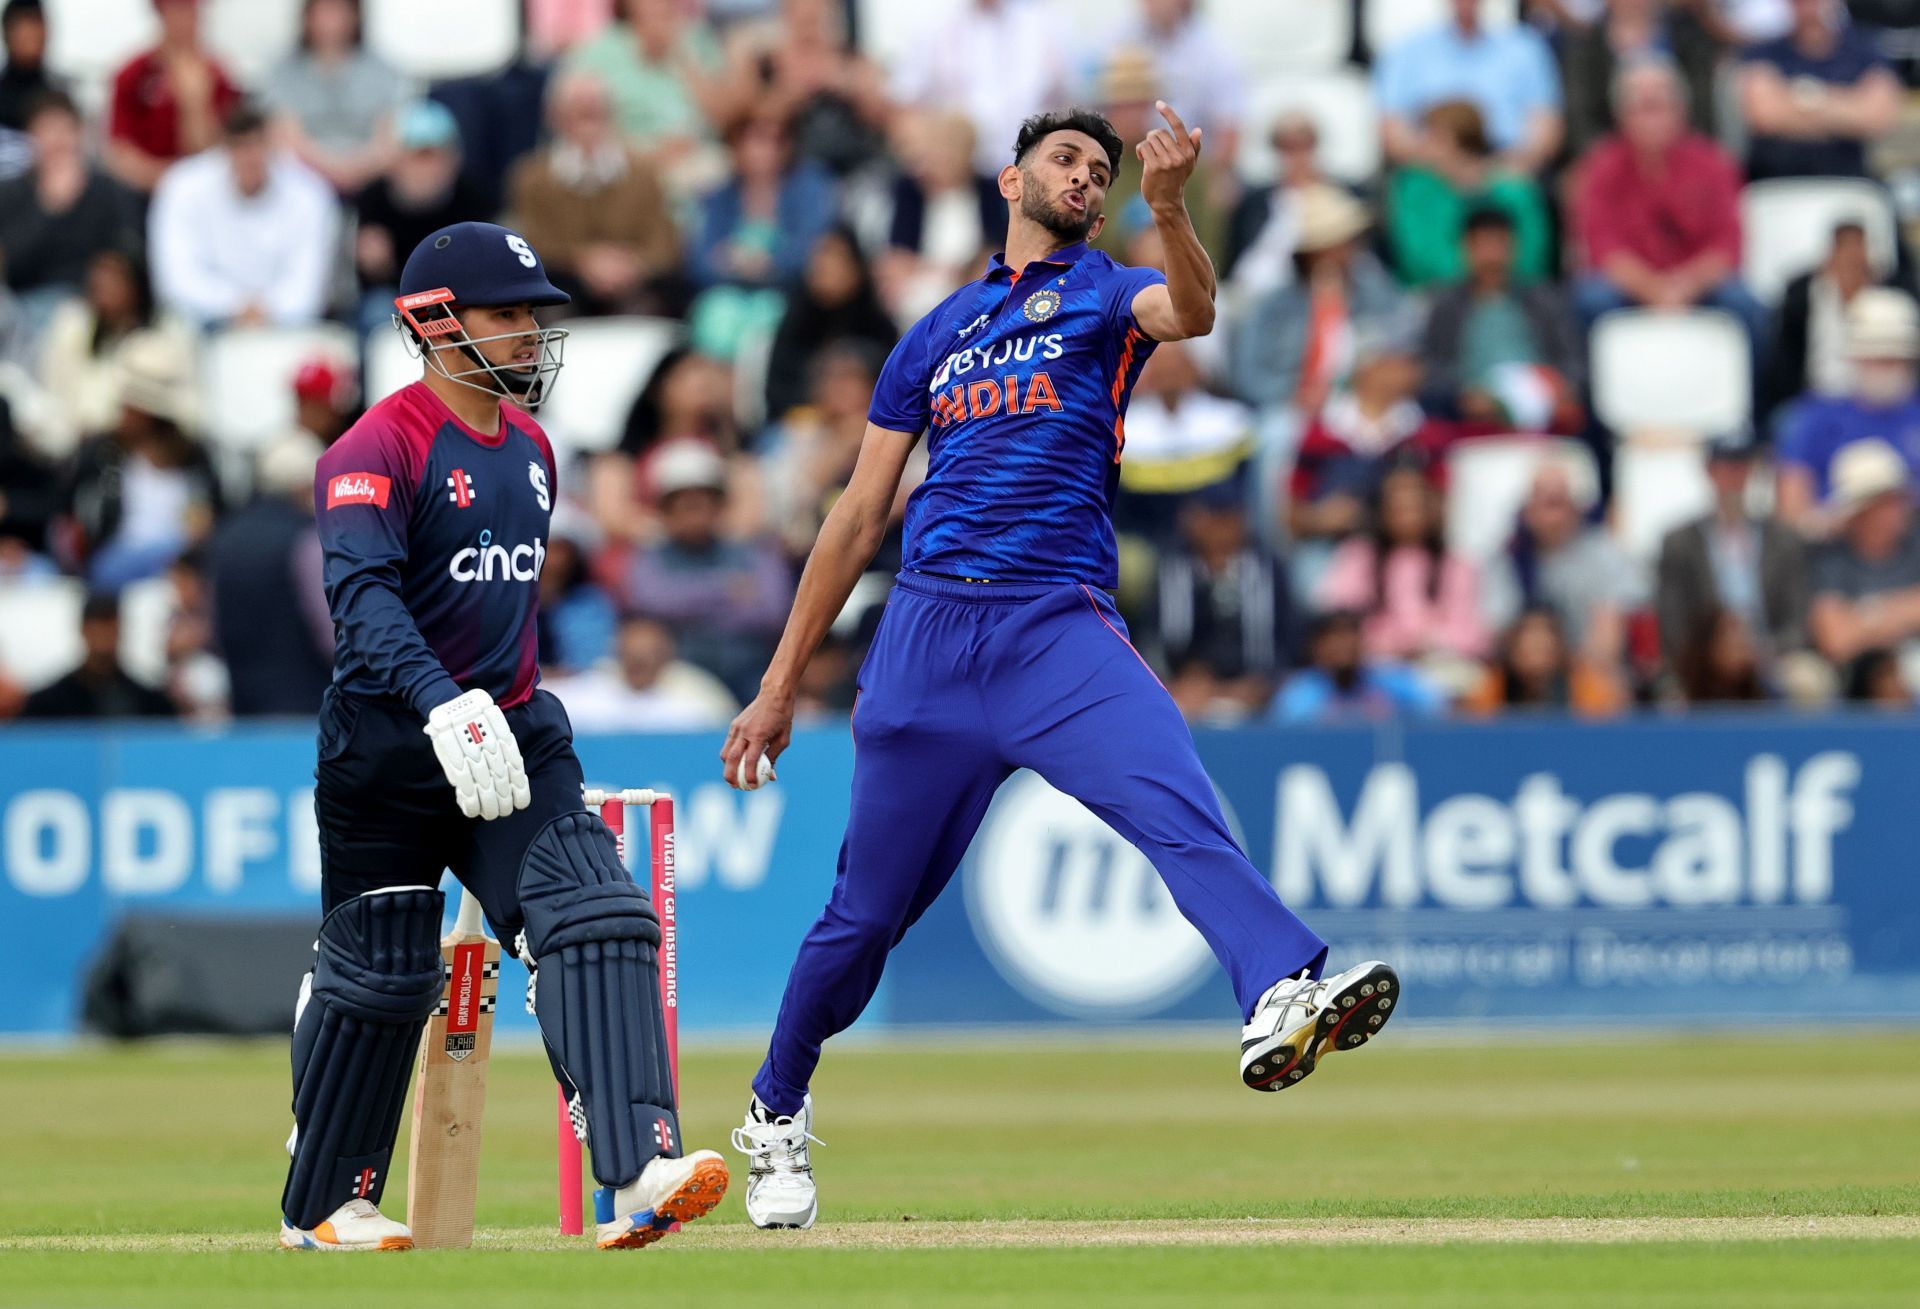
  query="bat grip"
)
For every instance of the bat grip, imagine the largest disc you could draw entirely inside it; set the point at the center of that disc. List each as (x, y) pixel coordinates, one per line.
(467, 921)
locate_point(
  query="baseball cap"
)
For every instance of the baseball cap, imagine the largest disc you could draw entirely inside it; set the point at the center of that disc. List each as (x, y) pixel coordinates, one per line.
(426, 125)
(322, 380)
(482, 264)
(686, 463)
(1864, 471)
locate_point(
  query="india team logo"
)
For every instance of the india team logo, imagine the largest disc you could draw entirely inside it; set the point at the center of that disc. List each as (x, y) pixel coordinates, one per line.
(1041, 305)
(538, 476)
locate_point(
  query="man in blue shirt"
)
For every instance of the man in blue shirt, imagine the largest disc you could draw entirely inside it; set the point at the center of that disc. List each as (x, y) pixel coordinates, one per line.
(1001, 647)
(1506, 72)
(1813, 98)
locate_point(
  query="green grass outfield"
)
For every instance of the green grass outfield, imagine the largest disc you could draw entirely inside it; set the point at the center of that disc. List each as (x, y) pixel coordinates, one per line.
(1748, 1171)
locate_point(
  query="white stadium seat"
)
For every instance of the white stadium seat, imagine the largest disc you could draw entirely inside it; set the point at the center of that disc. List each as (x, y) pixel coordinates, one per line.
(88, 40)
(1306, 34)
(608, 362)
(1787, 227)
(1656, 488)
(251, 36)
(247, 379)
(1487, 481)
(40, 630)
(1686, 372)
(1341, 106)
(436, 39)
(146, 611)
(1388, 22)
(388, 364)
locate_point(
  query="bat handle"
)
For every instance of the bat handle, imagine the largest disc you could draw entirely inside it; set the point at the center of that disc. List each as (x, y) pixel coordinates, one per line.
(467, 922)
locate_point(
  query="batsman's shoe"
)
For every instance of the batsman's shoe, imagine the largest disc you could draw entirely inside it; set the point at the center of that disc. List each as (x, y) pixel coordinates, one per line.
(355, 1225)
(1298, 1020)
(780, 1190)
(668, 1191)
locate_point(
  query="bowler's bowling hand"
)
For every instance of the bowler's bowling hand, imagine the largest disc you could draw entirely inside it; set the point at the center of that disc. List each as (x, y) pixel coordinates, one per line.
(758, 735)
(1169, 155)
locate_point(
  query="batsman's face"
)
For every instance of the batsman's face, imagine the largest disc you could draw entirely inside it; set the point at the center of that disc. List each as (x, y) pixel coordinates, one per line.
(1062, 184)
(517, 331)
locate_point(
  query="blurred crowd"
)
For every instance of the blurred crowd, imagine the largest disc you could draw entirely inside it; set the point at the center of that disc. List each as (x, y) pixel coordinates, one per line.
(1290, 516)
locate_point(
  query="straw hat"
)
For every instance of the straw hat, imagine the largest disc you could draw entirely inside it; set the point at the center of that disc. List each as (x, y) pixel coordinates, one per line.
(1883, 324)
(1328, 217)
(1863, 471)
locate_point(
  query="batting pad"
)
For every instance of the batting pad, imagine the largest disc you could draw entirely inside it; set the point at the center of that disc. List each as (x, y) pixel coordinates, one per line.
(376, 978)
(593, 934)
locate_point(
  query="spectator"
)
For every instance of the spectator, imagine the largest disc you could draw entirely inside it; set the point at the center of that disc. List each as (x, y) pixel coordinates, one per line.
(1560, 560)
(269, 614)
(323, 407)
(168, 103)
(1720, 662)
(1223, 616)
(24, 79)
(1374, 425)
(1883, 345)
(1264, 228)
(945, 215)
(1628, 31)
(244, 234)
(1497, 353)
(576, 616)
(1507, 72)
(1810, 350)
(1815, 97)
(726, 597)
(83, 354)
(422, 191)
(141, 495)
(1200, 73)
(802, 67)
(808, 456)
(556, 26)
(645, 687)
(1339, 685)
(994, 61)
(1866, 582)
(1420, 603)
(1748, 565)
(62, 212)
(1536, 670)
(595, 209)
(1128, 89)
(196, 677)
(1297, 346)
(834, 303)
(1180, 439)
(1427, 202)
(688, 395)
(658, 66)
(99, 687)
(334, 101)
(1657, 210)
(1877, 681)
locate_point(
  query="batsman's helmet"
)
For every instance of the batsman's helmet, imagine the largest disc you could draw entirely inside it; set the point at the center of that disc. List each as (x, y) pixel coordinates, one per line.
(471, 264)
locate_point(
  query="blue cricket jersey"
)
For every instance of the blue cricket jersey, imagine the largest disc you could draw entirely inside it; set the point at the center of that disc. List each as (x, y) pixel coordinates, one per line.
(1021, 381)
(433, 536)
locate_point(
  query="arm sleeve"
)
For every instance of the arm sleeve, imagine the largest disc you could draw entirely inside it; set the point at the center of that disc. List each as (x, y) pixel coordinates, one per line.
(900, 396)
(363, 499)
(1125, 284)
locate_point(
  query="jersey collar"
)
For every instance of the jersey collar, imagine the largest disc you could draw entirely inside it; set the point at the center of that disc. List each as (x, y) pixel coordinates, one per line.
(998, 269)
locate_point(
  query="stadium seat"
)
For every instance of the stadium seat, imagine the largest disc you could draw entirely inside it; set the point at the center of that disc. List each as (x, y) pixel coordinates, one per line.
(1340, 104)
(1671, 372)
(438, 39)
(388, 364)
(88, 40)
(247, 380)
(146, 610)
(1388, 22)
(40, 630)
(252, 36)
(1787, 226)
(1656, 488)
(608, 361)
(1487, 481)
(1314, 36)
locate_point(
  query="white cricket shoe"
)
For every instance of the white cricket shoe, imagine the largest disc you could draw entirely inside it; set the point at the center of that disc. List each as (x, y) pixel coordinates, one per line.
(355, 1225)
(780, 1190)
(668, 1191)
(1298, 1020)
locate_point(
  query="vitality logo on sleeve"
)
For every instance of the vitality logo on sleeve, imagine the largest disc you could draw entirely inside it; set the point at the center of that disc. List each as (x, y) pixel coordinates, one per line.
(359, 489)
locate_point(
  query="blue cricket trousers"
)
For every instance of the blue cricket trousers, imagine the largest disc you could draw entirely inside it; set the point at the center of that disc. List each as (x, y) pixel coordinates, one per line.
(965, 683)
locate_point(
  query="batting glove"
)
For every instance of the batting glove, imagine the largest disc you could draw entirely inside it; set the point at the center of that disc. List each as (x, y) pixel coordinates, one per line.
(481, 759)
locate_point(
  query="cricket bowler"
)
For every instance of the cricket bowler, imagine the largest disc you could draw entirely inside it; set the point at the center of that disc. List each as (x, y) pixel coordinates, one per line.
(1001, 647)
(438, 750)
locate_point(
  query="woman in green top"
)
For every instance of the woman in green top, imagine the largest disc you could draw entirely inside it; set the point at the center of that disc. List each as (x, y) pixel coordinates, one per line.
(1427, 202)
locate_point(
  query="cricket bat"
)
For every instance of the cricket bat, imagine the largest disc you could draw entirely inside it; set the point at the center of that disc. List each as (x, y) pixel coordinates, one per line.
(450, 1088)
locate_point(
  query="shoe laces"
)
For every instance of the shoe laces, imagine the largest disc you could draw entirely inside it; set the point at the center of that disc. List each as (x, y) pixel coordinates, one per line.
(359, 1208)
(778, 1146)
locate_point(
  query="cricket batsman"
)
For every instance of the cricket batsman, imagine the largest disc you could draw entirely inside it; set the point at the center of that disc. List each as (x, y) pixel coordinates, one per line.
(438, 750)
(1001, 647)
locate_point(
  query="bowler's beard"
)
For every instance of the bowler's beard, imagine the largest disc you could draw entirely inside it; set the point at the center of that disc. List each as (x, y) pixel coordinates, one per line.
(1057, 219)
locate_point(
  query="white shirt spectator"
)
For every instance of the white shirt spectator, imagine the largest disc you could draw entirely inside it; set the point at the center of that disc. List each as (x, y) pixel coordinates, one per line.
(218, 252)
(996, 61)
(683, 699)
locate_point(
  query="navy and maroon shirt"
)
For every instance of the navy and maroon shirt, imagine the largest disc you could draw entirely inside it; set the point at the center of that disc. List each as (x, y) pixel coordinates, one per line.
(433, 537)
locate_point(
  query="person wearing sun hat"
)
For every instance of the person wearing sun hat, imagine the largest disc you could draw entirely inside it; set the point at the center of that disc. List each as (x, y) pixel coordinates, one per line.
(1866, 581)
